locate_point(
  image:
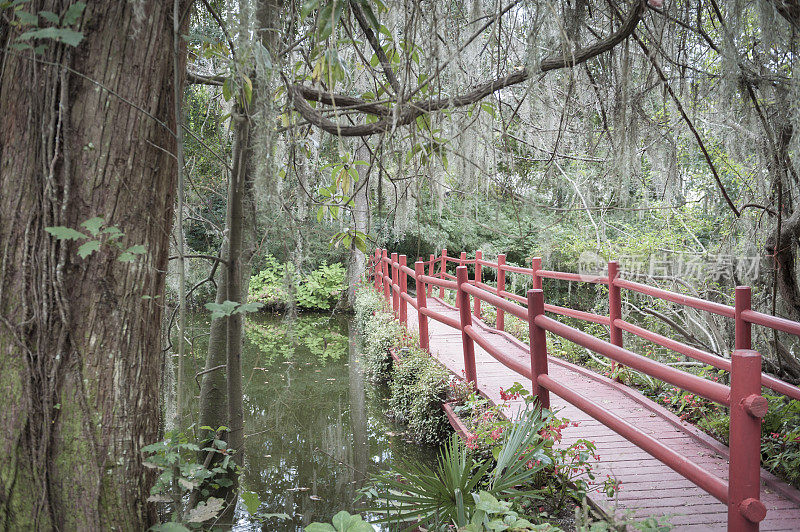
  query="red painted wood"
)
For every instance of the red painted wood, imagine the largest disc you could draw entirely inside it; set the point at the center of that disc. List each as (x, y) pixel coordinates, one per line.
(403, 274)
(501, 287)
(443, 272)
(644, 421)
(395, 286)
(537, 339)
(648, 482)
(478, 281)
(744, 509)
(422, 319)
(431, 265)
(466, 321)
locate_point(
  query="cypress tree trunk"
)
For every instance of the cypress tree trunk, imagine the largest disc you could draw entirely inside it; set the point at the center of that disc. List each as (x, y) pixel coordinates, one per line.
(80, 349)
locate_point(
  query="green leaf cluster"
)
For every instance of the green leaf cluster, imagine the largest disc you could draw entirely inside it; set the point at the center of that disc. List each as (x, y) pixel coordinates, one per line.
(278, 285)
(98, 236)
(58, 31)
(342, 522)
(176, 457)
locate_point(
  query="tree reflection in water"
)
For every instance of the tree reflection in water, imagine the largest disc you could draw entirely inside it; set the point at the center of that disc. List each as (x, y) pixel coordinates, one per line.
(315, 428)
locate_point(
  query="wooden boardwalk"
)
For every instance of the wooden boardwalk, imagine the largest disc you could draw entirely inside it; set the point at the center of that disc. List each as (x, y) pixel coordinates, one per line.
(649, 488)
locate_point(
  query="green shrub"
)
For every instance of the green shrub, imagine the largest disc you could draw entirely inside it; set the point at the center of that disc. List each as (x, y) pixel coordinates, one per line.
(280, 284)
(426, 420)
(367, 303)
(418, 383)
(406, 372)
(419, 387)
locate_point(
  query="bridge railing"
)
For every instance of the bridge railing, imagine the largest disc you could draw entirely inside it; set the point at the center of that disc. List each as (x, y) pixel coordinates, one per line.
(742, 397)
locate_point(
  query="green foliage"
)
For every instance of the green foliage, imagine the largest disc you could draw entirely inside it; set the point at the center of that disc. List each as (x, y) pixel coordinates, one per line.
(58, 31)
(276, 284)
(279, 341)
(497, 515)
(98, 235)
(368, 302)
(426, 420)
(381, 333)
(419, 387)
(229, 308)
(342, 522)
(780, 442)
(451, 492)
(418, 383)
(175, 456)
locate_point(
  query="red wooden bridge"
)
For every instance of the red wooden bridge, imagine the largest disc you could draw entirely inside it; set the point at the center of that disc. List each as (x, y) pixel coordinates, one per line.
(666, 466)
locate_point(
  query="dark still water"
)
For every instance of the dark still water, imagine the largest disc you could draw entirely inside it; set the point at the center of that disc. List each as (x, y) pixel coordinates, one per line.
(315, 429)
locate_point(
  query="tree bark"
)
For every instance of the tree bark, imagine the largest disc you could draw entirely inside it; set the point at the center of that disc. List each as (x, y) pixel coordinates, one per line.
(235, 226)
(86, 132)
(357, 262)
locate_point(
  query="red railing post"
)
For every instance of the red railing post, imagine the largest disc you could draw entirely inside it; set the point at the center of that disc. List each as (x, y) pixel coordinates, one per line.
(501, 287)
(478, 279)
(461, 260)
(743, 329)
(376, 268)
(614, 311)
(422, 303)
(403, 290)
(444, 270)
(387, 294)
(745, 509)
(536, 265)
(537, 339)
(466, 321)
(395, 291)
(431, 266)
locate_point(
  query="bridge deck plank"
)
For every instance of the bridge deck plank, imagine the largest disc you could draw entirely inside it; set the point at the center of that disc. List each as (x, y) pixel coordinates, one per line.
(649, 488)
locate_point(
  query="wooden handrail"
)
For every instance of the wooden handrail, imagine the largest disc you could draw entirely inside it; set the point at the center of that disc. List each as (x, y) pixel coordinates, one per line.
(743, 397)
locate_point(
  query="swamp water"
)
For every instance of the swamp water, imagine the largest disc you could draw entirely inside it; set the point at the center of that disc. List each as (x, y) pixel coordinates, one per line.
(314, 428)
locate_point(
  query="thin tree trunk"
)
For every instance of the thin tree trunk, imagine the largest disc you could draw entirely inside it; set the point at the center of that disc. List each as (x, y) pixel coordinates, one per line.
(357, 262)
(235, 223)
(79, 344)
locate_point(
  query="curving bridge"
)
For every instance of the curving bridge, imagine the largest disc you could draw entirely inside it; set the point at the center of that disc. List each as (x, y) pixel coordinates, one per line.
(666, 467)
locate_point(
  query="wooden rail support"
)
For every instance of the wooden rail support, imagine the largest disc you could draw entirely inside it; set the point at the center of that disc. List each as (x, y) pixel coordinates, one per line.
(478, 279)
(743, 329)
(403, 290)
(395, 291)
(536, 265)
(614, 312)
(466, 321)
(461, 259)
(431, 267)
(745, 509)
(422, 302)
(501, 287)
(387, 289)
(376, 264)
(444, 271)
(537, 339)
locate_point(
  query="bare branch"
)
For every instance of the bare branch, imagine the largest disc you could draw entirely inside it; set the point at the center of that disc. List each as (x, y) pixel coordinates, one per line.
(408, 112)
